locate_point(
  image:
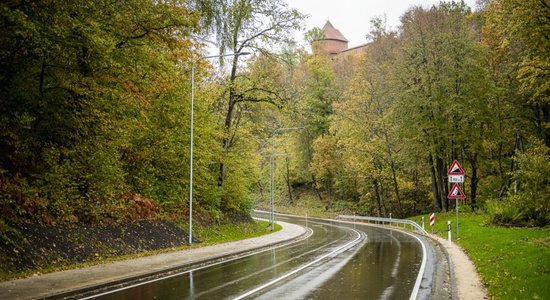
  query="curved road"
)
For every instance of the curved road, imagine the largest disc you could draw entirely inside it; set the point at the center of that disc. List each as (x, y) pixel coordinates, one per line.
(338, 260)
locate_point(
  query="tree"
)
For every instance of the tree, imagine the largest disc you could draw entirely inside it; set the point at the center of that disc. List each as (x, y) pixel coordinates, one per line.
(317, 89)
(325, 163)
(521, 29)
(241, 25)
(516, 36)
(515, 33)
(76, 78)
(442, 80)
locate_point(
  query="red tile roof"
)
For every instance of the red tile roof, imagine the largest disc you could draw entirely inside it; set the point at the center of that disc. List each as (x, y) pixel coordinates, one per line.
(332, 33)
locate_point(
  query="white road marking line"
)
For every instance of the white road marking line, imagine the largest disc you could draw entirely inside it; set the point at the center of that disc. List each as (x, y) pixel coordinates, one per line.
(337, 250)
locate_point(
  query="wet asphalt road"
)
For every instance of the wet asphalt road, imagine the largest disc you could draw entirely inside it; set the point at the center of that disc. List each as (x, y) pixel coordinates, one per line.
(338, 261)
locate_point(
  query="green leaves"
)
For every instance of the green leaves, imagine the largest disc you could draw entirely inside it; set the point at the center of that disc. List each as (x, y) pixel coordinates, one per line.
(387, 124)
(78, 82)
(518, 34)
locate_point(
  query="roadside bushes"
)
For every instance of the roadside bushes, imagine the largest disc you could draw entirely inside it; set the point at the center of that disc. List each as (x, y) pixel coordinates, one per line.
(529, 205)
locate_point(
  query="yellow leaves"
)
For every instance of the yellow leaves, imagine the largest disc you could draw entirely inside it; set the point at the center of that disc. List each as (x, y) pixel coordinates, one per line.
(520, 29)
(325, 160)
(130, 86)
(534, 75)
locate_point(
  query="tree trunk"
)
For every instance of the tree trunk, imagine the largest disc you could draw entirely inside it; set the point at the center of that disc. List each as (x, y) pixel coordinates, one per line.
(316, 188)
(415, 194)
(231, 102)
(329, 189)
(356, 195)
(394, 174)
(542, 117)
(396, 188)
(473, 182)
(435, 190)
(393, 212)
(381, 195)
(519, 146)
(441, 182)
(379, 199)
(289, 187)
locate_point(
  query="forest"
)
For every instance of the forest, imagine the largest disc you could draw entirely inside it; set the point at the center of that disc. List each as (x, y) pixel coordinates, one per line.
(96, 106)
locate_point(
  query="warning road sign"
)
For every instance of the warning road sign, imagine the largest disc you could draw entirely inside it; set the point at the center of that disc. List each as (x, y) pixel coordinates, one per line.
(455, 169)
(456, 192)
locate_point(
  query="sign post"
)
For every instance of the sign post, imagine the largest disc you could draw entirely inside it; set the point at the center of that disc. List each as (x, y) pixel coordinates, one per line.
(456, 175)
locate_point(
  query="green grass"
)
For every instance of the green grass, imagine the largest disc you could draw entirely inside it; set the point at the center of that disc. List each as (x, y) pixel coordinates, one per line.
(514, 263)
(231, 232)
(306, 204)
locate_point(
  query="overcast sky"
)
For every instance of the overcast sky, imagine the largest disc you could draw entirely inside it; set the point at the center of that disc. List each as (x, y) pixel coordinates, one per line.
(352, 17)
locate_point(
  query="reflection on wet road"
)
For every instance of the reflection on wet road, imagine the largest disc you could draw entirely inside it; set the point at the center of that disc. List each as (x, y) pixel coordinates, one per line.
(345, 261)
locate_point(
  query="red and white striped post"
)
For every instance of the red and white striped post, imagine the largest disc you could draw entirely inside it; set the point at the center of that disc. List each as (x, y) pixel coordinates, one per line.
(432, 221)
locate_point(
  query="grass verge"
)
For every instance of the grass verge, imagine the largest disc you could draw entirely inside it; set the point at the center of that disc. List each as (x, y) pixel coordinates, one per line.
(223, 233)
(514, 263)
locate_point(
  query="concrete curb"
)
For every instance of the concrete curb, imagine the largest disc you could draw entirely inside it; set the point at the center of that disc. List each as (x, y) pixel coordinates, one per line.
(452, 275)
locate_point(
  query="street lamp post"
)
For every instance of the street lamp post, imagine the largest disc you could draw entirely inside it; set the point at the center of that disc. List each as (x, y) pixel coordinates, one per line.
(191, 133)
(272, 184)
(275, 132)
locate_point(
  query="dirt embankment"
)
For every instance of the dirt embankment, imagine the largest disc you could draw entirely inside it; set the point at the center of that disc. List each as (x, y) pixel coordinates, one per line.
(34, 246)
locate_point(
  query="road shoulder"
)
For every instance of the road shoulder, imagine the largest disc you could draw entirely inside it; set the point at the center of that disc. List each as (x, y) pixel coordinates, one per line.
(467, 280)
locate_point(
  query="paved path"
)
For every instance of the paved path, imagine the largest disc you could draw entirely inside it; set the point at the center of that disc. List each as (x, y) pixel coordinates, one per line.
(71, 280)
(467, 280)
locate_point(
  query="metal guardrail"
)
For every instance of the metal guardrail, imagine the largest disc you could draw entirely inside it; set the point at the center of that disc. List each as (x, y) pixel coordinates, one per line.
(385, 220)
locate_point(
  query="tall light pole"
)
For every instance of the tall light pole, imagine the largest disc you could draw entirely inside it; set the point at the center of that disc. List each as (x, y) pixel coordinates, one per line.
(191, 140)
(275, 132)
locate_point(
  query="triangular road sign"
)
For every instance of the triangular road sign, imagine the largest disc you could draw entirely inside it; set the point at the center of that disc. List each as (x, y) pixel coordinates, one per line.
(456, 192)
(455, 169)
